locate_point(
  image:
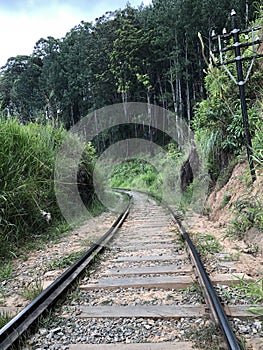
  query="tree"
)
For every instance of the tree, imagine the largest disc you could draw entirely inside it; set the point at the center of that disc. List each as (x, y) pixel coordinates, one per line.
(20, 87)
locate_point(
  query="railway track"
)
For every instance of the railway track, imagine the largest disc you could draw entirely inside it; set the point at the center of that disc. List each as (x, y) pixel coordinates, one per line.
(145, 292)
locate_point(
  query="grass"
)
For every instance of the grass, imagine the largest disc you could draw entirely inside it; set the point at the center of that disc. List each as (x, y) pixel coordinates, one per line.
(253, 290)
(206, 337)
(29, 213)
(27, 156)
(6, 271)
(65, 261)
(207, 244)
(32, 290)
(135, 174)
(248, 212)
(4, 319)
(225, 200)
(225, 174)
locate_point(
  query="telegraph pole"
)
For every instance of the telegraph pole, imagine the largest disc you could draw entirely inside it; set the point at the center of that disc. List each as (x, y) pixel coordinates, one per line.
(237, 45)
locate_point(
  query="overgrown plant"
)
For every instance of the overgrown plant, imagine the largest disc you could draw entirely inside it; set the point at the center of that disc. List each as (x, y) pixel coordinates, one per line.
(207, 244)
(4, 319)
(33, 289)
(248, 213)
(65, 261)
(6, 271)
(253, 290)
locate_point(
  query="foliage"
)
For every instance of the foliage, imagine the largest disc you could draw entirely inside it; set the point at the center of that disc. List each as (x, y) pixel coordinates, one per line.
(150, 54)
(27, 199)
(207, 244)
(218, 118)
(142, 175)
(32, 290)
(225, 200)
(253, 290)
(65, 261)
(4, 319)
(6, 272)
(248, 213)
(135, 174)
(257, 141)
(206, 336)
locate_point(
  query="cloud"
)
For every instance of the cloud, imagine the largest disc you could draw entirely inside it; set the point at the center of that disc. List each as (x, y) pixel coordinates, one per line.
(24, 22)
(19, 32)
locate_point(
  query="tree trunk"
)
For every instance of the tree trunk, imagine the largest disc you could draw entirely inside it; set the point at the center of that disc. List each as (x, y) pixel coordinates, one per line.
(188, 103)
(171, 81)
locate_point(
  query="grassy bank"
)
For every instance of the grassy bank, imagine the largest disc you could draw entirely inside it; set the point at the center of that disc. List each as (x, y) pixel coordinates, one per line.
(28, 206)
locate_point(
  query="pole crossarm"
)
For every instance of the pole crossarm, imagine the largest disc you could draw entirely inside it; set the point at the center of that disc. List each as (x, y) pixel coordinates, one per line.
(235, 30)
(239, 58)
(245, 45)
(240, 81)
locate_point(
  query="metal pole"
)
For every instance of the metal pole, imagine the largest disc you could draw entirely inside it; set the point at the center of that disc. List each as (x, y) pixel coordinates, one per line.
(241, 85)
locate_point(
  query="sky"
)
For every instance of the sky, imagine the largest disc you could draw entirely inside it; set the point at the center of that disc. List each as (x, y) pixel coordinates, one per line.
(24, 22)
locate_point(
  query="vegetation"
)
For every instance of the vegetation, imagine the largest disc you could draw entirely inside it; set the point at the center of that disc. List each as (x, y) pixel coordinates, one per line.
(218, 122)
(65, 261)
(28, 204)
(151, 54)
(6, 272)
(206, 244)
(32, 290)
(4, 319)
(136, 174)
(154, 174)
(206, 336)
(248, 213)
(253, 290)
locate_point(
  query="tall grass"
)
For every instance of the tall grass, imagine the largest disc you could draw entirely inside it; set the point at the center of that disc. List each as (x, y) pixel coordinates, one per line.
(27, 158)
(27, 154)
(258, 140)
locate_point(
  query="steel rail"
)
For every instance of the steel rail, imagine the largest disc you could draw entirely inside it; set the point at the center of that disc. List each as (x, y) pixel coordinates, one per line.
(209, 291)
(11, 332)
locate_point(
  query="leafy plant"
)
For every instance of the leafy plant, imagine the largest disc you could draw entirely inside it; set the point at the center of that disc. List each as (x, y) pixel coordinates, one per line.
(218, 118)
(205, 337)
(4, 319)
(65, 261)
(225, 200)
(207, 244)
(28, 204)
(253, 290)
(257, 141)
(248, 213)
(6, 271)
(136, 174)
(32, 290)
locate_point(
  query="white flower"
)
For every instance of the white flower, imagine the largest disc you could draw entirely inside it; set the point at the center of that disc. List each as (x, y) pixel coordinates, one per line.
(46, 215)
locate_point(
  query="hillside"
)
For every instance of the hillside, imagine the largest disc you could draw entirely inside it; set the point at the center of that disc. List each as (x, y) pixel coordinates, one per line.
(237, 206)
(239, 232)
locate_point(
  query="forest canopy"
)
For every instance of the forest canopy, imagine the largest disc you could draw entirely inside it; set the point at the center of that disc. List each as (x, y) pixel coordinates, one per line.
(150, 54)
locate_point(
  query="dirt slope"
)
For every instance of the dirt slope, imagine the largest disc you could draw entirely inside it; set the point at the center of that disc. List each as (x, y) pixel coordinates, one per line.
(220, 203)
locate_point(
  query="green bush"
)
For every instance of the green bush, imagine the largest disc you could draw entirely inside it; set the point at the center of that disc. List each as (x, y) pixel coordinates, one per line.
(135, 173)
(248, 213)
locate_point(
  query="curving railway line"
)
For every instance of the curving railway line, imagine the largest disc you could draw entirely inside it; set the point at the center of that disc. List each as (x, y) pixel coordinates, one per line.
(136, 295)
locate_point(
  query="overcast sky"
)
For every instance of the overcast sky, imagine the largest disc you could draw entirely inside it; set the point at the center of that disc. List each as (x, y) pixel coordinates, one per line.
(24, 22)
